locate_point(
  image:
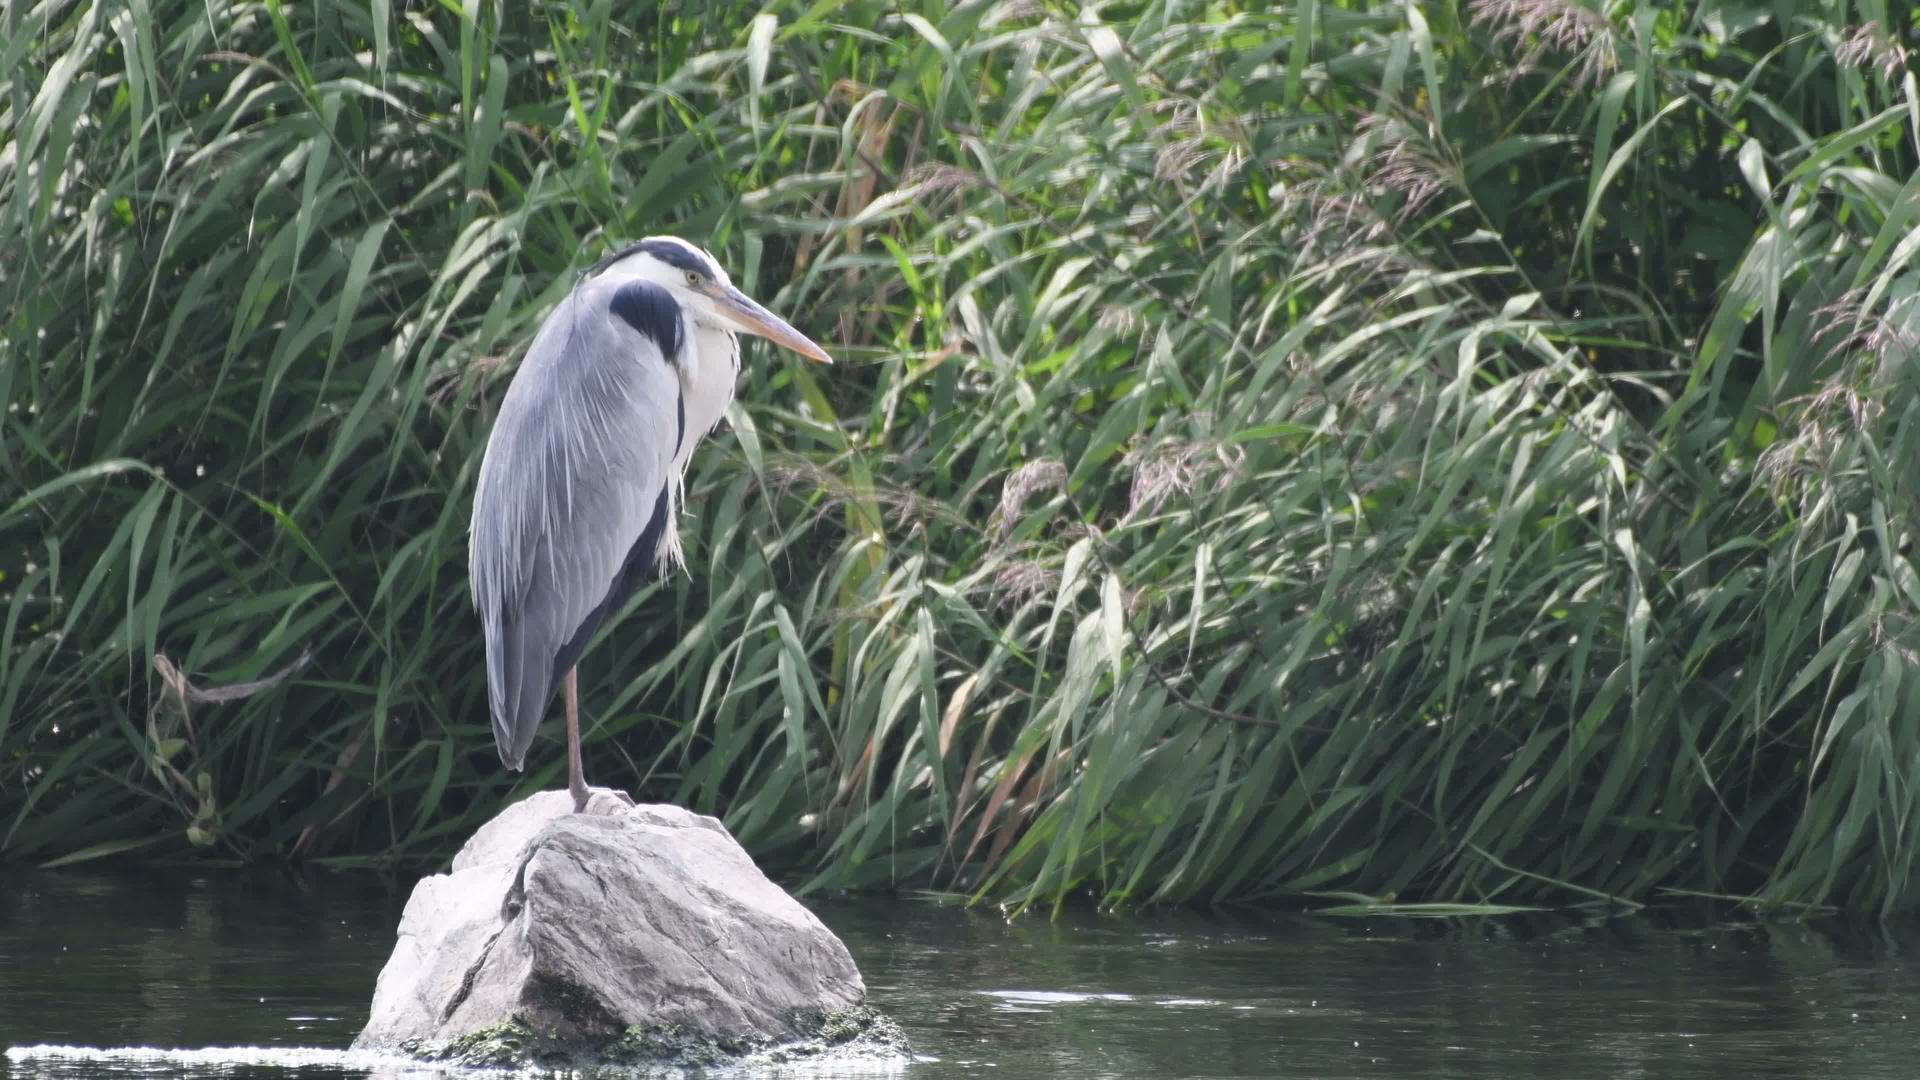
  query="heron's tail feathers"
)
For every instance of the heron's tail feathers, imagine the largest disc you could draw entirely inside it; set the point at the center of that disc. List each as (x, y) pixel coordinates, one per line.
(519, 685)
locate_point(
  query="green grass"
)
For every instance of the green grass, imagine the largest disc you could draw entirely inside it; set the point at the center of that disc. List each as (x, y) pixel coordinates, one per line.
(1450, 455)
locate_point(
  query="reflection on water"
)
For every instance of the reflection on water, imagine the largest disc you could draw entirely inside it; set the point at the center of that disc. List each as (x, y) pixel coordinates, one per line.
(156, 960)
(159, 959)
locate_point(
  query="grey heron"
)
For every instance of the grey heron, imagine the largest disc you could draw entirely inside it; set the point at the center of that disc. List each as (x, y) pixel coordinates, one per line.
(582, 477)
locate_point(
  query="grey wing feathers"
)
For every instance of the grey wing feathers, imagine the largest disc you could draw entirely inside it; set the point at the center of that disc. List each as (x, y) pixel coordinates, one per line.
(575, 471)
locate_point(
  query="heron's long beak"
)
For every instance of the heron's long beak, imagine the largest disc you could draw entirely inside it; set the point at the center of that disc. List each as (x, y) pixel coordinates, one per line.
(755, 319)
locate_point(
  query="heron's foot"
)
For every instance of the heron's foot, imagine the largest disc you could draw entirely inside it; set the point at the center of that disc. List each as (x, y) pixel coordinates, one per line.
(583, 797)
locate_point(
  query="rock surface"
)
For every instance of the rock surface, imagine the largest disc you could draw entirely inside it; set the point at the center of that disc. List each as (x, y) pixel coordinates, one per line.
(582, 933)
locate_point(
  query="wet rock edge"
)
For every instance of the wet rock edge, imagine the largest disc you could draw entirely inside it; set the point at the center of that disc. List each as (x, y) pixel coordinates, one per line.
(860, 1032)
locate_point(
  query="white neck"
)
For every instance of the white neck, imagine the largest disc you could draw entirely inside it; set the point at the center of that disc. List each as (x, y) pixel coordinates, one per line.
(709, 368)
(709, 371)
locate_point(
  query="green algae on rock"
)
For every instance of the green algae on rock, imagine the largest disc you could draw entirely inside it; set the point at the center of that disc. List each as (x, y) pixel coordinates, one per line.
(857, 1033)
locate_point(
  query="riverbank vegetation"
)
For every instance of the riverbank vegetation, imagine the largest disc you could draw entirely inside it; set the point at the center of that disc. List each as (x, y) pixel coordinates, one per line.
(1453, 452)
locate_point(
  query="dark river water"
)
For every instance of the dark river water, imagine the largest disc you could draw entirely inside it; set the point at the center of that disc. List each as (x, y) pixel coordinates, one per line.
(157, 960)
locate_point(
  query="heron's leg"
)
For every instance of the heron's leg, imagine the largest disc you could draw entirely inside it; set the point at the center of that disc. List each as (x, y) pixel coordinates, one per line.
(576, 779)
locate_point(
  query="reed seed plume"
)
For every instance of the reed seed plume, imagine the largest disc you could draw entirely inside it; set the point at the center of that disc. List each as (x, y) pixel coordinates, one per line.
(1869, 46)
(1543, 26)
(1041, 474)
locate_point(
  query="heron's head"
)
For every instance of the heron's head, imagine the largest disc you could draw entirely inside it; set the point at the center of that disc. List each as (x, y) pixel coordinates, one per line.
(702, 287)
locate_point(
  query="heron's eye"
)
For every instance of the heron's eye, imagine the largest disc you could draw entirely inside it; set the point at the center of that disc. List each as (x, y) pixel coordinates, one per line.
(693, 277)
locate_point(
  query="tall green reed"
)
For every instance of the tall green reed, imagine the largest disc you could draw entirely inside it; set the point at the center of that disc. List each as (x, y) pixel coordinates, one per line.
(1442, 453)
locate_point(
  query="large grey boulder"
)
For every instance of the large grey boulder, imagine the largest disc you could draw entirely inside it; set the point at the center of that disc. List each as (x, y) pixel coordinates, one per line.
(631, 934)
